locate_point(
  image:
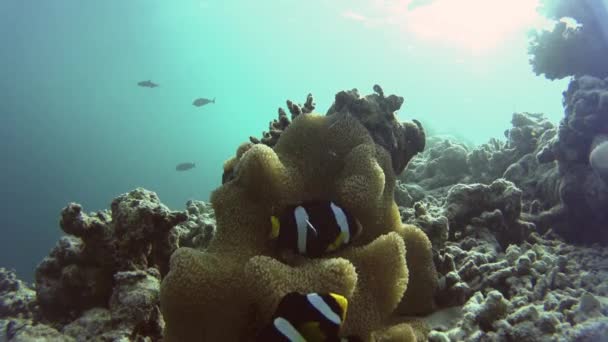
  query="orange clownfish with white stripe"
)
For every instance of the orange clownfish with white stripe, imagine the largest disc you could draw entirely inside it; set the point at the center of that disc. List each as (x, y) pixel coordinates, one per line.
(314, 228)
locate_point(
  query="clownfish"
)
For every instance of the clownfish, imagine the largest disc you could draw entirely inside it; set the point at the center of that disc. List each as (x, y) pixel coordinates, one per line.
(314, 228)
(309, 317)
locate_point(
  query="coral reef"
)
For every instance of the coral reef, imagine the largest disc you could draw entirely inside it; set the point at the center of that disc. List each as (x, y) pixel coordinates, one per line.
(447, 162)
(277, 126)
(497, 206)
(102, 280)
(572, 50)
(580, 215)
(78, 274)
(377, 113)
(317, 157)
(17, 299)
(540, 290)
(443, 163)
(487, 262)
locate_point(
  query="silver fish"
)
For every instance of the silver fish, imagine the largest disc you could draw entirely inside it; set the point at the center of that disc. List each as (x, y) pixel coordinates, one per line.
(202, 101)
(147, 84)
(184, 166)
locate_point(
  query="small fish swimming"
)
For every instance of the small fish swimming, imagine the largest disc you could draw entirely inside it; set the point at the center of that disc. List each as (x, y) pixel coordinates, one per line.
(314, 228)
(147, 84)
(312, 317)
(202, 101)
(185, 166)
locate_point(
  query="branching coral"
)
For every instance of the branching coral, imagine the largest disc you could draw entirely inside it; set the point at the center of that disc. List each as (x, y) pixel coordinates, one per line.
(230, 290)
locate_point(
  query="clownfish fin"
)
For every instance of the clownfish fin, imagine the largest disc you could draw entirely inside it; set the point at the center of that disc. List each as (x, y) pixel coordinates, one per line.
(342, 302)
(275, 227)
(337, 243)
(311, 331)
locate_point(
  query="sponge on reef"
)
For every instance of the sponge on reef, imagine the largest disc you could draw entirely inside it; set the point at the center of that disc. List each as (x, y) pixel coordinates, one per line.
(230, 290)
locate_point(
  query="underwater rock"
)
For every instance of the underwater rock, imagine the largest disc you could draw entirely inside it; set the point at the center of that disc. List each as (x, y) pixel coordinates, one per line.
(26, 330)
(199, 229)
(430, 218)
(567, 49)
(402, 140)
(17, 299)
(92, 286)
(406, 194)
(514, 159)
(547, 296)
(133, 311)
(496, 206)
(447, 162)
(443, 163)
(580, 216)
(79, 274)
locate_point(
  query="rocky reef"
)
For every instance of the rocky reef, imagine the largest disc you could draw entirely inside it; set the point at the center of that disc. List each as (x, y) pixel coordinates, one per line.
(571, 48)
(502, 230)
(576, 47)
(222, 281)
(580, 215)
(459, 243)
(102, 279)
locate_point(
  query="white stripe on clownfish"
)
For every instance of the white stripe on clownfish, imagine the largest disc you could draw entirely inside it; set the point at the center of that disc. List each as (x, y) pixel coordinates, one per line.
(342, 222)
(288, 330)
(318, 303)
(301, 218)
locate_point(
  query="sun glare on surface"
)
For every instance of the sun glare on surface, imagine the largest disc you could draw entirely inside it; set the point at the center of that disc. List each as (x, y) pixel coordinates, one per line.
(474, 25)
(477, 25)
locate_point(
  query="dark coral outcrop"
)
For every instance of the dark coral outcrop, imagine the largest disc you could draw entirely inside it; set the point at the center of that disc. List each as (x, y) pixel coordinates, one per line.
(581, 214)
(402, 140)
(572, 50)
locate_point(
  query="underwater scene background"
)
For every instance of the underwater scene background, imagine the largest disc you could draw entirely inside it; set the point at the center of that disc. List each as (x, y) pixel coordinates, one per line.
(76, 127)
(495, 230)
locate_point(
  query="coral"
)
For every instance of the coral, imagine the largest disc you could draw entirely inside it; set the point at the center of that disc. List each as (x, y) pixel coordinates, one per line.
(78, 274)
(488, 161)
(497, 206)
(25, 330)
(16, 298)
(103, 282)
(514, 159)
(571, 50)
(443, 163)
(430, 219)
(446, 162)
(198, 230)
(377, 113)
(133, 311)
(277, 126)
(407, 194)
(542, 290)
(230, 290)
(580, 214)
